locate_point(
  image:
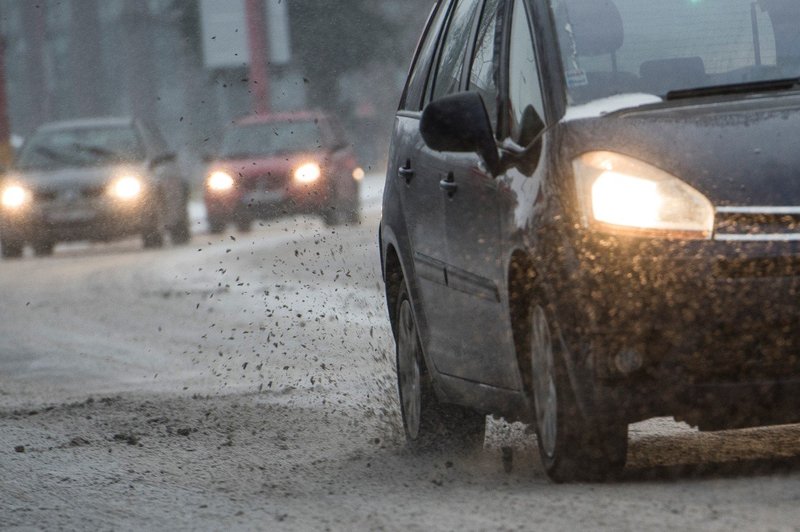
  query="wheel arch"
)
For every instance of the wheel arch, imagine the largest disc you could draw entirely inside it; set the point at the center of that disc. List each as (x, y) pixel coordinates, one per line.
(394, 277)
(522, 279)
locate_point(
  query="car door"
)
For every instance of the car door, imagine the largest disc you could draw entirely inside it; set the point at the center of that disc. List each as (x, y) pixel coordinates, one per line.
(411, 177)
(477, 201)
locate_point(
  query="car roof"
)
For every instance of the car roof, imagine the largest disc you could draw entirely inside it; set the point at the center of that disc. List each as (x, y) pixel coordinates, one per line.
(87, 123)
(295, 116)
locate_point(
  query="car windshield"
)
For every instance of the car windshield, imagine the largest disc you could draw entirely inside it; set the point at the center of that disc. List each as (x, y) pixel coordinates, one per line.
(81, 147)
(655, 47)
(270, 139)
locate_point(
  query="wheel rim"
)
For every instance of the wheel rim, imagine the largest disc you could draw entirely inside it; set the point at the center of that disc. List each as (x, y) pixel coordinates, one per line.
(408, 370)
(544, 383)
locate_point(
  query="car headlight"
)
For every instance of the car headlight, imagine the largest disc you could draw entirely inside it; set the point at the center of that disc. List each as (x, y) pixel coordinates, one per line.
(308, 173)
(220, 181)
(127, 187)
(620, 194)
(15, 197)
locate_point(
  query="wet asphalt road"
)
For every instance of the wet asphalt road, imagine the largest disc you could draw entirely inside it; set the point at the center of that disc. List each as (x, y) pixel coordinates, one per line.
(245, 381)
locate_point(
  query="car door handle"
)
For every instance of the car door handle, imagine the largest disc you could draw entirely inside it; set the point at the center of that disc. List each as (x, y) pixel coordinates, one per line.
(449, 185)
(406, 173)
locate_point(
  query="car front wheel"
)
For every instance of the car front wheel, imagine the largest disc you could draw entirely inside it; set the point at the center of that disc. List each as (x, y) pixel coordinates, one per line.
(428, 423)
(571, 447)
(12, 249)
(43, 248)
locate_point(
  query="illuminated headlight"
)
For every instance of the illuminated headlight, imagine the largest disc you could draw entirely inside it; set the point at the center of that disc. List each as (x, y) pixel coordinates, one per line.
(308, 173)
(127, 187)
(220, 181)
(621, 194)
(358, 174)
(15, 197)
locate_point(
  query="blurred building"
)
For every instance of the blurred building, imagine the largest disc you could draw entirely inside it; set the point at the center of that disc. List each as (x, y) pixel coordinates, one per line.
(183, 63)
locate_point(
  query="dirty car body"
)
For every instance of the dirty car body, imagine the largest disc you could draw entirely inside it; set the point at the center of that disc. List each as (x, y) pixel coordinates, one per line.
(273, 165)
(597, 220)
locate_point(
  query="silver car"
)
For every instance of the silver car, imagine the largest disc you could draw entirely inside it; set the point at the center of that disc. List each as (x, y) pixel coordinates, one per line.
(97, 180)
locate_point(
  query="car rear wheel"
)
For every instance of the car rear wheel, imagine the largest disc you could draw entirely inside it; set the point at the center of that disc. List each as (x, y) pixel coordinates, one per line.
(571, 447)
(244, 225)
(216, 226)
(342, 209)
(427, 422)
(12, 249)
(153, 235)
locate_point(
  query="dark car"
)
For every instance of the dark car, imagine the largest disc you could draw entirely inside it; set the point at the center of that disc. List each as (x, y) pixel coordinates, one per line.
(98, 180)
(271, 165)
(592, 217)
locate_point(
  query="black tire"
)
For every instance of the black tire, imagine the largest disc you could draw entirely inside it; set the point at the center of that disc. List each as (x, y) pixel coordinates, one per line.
(181, 233)
(43, 248)
(571, 447)
(153, 235)
(12, 249)
(339, 211)
(353, 212)
(216, 226)
(153, 239)
(244, 225)
(333, 216)
(428, 423)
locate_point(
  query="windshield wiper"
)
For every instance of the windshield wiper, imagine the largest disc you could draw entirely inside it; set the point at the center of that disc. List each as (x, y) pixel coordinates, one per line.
(735, 88)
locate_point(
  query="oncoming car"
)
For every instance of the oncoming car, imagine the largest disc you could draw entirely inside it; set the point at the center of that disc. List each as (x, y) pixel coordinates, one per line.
(272, 165)
(97, 179)
(592, 217)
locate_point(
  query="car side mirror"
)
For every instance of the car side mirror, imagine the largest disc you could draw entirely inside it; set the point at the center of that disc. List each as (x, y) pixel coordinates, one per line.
(164, 158)
(460, 123)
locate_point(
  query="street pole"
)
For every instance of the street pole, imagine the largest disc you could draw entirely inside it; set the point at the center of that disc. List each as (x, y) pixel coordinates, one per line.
(259, 66)
(36, 96)
(6, 152)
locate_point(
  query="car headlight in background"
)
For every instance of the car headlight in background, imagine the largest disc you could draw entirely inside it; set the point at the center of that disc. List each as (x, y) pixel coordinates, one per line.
(127, 187)
(15, 197)
(220, 181)
(308, 173)
(625, 195)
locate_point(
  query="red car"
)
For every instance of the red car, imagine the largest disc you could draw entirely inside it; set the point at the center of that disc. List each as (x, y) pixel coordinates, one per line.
(271, 165)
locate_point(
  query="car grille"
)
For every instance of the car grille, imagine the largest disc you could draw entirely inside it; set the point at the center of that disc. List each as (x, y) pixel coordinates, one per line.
(86, 192)
(264, 182)
(757, 224)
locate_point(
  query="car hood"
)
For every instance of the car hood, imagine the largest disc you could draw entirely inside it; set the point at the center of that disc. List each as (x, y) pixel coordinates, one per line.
(65, 178)
(741, 152)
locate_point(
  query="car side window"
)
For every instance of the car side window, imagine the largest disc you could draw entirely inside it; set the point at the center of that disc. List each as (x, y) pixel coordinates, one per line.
(418, 78)
(452, 54)
(524, 87)
(484, 66)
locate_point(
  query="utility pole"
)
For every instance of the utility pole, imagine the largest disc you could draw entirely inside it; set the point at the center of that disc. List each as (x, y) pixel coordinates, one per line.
(6, 153)
(142, 84)
(85, 59)
(257, 43)
(38, 93)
